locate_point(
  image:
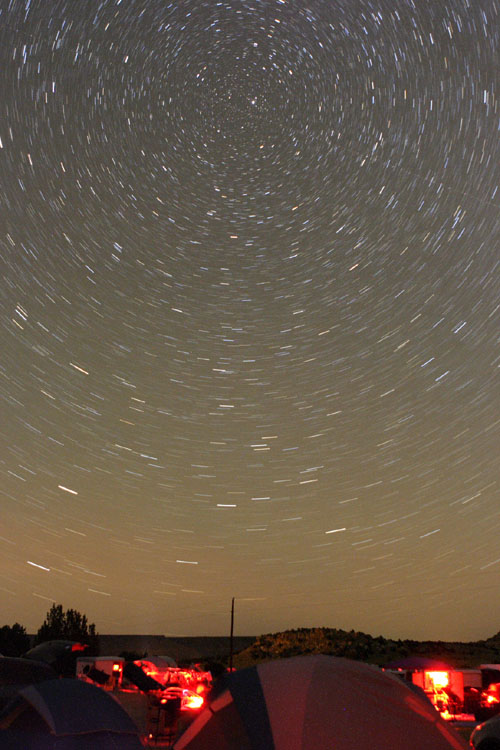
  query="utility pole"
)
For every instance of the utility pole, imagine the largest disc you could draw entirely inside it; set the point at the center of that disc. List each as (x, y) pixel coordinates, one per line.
(231, 637)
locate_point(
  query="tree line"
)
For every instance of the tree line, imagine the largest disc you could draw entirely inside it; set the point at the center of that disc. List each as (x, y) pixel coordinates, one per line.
(69, 625)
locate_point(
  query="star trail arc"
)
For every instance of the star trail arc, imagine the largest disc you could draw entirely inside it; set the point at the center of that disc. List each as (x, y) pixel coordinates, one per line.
(250, 297)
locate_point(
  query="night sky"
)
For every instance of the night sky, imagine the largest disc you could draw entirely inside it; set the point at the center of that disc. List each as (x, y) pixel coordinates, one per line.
(250, 301)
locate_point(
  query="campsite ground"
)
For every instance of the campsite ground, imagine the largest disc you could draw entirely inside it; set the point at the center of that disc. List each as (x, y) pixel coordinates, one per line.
(136, 706)
(465, 728)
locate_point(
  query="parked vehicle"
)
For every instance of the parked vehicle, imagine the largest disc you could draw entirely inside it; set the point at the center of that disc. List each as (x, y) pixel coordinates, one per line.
(489, 702)
(486, 736)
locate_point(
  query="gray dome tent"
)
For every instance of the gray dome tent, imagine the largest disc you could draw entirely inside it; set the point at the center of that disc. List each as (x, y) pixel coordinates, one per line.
(317, 702)
(66, 714)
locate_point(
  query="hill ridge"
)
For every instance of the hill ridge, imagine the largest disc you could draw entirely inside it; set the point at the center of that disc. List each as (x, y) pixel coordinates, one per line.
(364, 647)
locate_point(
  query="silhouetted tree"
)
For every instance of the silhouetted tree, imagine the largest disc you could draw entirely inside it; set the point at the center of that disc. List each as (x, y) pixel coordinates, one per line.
(13, 640)
(68, 626)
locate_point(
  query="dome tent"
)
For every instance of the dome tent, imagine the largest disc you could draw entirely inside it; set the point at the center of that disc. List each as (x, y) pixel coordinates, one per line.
(316, 703)
(66, 714)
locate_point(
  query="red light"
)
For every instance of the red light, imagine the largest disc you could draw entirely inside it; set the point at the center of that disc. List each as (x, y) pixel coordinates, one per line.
(116, 667)
(440, 679)
(192, 701)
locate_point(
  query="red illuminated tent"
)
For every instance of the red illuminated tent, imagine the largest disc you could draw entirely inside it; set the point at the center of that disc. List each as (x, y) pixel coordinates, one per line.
(317, 703)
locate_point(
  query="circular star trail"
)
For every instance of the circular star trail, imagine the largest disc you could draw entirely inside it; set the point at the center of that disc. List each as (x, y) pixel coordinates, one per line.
(250, 298)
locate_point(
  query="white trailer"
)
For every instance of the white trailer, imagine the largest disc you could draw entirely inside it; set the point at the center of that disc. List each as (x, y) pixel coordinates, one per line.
(105, 671)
